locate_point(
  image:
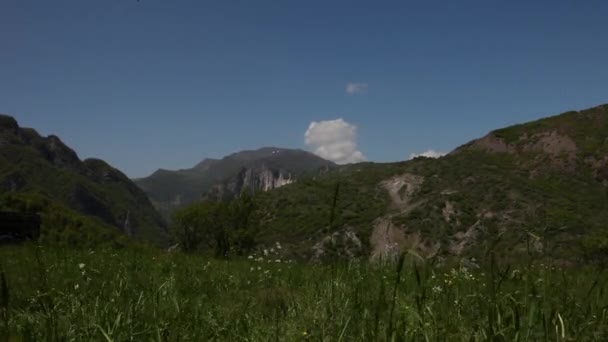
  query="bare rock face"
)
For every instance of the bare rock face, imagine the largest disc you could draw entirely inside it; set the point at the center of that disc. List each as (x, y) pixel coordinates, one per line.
(262, 169)
(263, 178)
(257, 178)
(492, 143)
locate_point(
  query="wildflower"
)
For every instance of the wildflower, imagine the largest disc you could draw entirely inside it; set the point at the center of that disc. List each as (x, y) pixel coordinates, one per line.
(265, 252)
(76, 287)
(81, 265)
(252, 269)
(437, 289)
(278, 260)
(516, 273)
(250, 257)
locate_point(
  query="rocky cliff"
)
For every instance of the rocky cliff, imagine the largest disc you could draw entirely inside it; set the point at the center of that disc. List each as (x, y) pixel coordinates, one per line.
(256, 178)
(257, 170)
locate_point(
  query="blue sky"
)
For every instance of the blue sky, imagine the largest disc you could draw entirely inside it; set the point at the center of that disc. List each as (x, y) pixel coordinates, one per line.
(160, 83)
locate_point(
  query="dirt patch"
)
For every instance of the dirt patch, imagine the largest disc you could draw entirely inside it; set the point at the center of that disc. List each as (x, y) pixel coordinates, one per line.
(448, 211)
(461, 240)
(401, 188)
(599, 168)
(489, 143)
(387, 240)
(552, 143)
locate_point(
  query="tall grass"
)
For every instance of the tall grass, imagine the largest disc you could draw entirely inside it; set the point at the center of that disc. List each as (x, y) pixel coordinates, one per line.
(143, 295)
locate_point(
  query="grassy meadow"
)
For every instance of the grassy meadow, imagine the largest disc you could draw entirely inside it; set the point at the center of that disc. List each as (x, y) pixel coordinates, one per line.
(54, 294)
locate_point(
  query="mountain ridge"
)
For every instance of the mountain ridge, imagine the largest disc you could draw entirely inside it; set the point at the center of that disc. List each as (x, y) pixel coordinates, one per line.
(534, 188)
(259, 169)
(31, 163)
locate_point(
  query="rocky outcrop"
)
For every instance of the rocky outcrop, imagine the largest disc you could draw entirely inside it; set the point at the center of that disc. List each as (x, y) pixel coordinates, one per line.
(342, 244)
(254, 179)
(388, 240)
(263, 169)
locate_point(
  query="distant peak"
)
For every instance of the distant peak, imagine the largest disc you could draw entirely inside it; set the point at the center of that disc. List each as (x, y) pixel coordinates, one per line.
(205, 163)
(8, 122)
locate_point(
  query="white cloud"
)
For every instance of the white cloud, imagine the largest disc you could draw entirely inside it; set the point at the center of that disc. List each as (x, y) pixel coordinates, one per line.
(428, 153)
(356, 88)
(334, 140)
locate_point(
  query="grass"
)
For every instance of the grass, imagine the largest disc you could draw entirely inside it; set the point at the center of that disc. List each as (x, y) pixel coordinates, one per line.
(57, 294)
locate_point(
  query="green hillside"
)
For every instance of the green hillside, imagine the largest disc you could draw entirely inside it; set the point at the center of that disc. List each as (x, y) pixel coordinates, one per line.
(33, 164)
(538, 188)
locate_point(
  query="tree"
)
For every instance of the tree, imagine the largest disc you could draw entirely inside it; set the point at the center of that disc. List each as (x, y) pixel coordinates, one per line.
(245, 220)
(226, 227)
(201, 225)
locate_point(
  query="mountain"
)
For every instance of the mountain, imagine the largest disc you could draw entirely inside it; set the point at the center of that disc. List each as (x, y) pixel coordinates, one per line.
(263, 169)
(45, 166)
(538, 188)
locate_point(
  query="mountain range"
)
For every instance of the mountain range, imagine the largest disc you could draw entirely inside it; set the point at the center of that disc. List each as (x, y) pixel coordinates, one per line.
(263, 169)
(538, 188)
(46, 167)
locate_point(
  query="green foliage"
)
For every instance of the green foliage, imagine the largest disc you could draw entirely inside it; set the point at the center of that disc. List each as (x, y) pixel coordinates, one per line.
(298, 214)
(142, 294)
(61, 226)
(227, 227)
(33, 164)
(201, 223)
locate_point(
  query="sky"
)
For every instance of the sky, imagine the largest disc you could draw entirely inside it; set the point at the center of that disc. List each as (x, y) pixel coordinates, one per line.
(163, 84)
